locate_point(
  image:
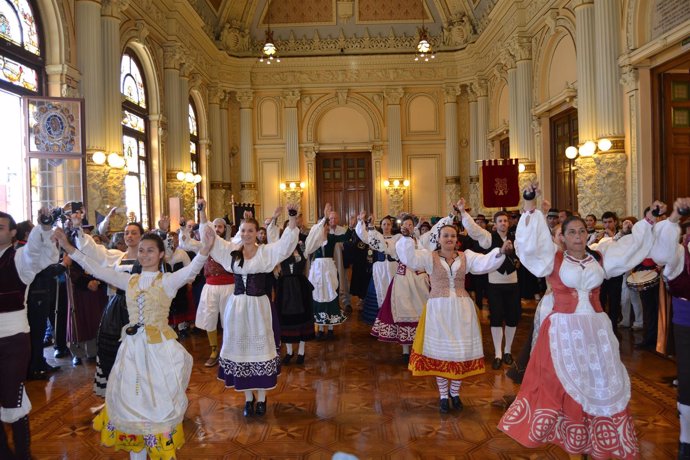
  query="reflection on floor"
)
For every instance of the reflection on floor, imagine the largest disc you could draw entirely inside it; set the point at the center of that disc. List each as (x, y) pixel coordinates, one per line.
(353, 394)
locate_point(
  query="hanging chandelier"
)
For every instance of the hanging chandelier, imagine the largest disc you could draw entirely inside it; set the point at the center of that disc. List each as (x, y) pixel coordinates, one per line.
(269, 52)
(424, 50)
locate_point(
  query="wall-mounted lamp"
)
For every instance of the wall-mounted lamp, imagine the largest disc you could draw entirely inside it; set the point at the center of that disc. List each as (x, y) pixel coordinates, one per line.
(115, 160)
(589, 148)
(188, 177)
(571, 152)
(521, 167)
(293, 190)
(99, 157)
(396, 187)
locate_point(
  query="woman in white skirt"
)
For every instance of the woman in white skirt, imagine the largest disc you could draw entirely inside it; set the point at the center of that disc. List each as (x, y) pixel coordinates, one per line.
(145, 399)
(448, 343)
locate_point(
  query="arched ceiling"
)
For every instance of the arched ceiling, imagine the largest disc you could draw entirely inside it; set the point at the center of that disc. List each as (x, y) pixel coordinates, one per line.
(336, 27)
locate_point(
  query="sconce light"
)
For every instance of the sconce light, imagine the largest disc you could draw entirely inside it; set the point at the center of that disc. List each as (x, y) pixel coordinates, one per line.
(180, 175)
(604, 144)
(293, 190)
(571, 152)
(521, 167)
(189, 177)
(115, 161)
(197, 178)
(99, 157)
(396, 187)
(587, 149)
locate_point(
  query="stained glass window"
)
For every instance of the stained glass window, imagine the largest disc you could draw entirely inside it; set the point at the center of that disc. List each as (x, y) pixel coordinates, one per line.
(131, 81)
(135, 138)
(18, 25)
(194, 146)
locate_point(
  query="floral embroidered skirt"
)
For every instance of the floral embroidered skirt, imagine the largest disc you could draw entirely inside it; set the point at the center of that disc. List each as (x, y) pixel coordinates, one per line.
(386, 329)
(160, 446)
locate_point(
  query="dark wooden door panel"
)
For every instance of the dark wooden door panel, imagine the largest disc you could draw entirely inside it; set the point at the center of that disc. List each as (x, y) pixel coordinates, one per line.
(564, 133)
(676, 137)
(344, 180)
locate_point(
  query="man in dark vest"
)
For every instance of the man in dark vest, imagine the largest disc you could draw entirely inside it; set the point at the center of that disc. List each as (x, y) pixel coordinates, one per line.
(18, 268)
(503, 291)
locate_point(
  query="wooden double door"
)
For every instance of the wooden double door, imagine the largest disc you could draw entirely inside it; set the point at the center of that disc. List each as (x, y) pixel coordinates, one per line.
(344, 179)
(564, 133)
(672, 133)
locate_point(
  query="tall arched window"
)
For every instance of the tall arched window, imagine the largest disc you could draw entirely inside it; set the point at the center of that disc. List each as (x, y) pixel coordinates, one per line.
(135, 137)
(22, 74)
(194, 148)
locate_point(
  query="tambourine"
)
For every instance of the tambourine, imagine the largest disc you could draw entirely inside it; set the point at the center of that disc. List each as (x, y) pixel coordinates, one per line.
(642, 280)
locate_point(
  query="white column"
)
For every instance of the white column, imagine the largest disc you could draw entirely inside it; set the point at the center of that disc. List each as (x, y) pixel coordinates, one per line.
(609, 92)
(89, 40)
(292, 172)
(523, 57)
(395, 169)
(172, 57)
(586, 79)
(183, 95)
(110, 49)
(474, 134)
(215, 154)
(247, 171)
(452, 151)
(482, 91)
(513, 128)
(224, 139)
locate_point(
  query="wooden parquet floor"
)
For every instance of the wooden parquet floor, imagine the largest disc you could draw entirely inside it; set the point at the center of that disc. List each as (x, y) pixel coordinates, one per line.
(354, 395)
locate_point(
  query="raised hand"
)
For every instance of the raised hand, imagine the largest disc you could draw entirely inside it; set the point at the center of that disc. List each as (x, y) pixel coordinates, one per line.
(277, 212)
(626, 227)
(353, 220)
(681, 207)
(164, 223)
(459, 206)
(60, 238)
(201, 204)
(507, 247)
(327, 210)
(247, 215)
(208, 238)
(362, 216)
(545, 206)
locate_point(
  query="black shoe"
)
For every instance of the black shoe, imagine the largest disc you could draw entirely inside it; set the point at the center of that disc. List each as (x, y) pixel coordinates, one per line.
(320, 335)
(37, 375)
(76, 361)
(261, 408)
(60, 353)
(457, 404)
(406, 358)
(444, 407)
(300, 359)
(287, 359)
(683, 451)
(496, 365)
(508, 359)
(248, 408)
(330, 335)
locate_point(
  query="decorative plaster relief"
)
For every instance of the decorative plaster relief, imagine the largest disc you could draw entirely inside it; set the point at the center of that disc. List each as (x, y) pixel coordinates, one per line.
(601, 184)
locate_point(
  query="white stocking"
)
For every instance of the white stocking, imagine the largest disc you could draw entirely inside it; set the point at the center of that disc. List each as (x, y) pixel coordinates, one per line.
(684, 423)
(300, 350)
(510, 335)
(288, 348)
(497, 335)
(442, 387)
(261, 396)
(248, 396)
(406, 349)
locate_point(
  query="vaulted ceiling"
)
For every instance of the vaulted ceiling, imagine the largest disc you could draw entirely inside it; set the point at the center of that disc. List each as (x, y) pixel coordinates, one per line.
(332, 27)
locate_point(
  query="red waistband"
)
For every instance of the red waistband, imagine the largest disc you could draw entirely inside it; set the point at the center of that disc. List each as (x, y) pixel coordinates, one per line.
(220, 279)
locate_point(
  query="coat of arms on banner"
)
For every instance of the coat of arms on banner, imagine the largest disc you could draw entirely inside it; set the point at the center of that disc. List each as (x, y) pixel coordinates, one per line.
(500, 186)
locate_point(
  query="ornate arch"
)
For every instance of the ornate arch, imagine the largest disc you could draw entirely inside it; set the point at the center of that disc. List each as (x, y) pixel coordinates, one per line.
(565, 27)
(498, 86)
(57, 45)
(354, 101)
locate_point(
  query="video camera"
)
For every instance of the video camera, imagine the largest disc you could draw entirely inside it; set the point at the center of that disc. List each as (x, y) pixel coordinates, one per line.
(60, 214)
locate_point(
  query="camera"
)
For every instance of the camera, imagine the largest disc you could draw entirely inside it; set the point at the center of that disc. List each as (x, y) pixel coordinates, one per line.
(52, 217)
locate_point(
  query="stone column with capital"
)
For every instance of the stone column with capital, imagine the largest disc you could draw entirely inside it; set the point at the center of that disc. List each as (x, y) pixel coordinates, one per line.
(474, 150)
(292, 163)
(215, 156)
(225, 152)
(452, 150)
(523, 80)
(586, 78)
(172, 54)
(248, 192)
(111, 17)
(632, 108)
(395, 167)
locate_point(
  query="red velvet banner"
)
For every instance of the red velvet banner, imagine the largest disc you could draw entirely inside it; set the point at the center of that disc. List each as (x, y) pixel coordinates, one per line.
(500, 186)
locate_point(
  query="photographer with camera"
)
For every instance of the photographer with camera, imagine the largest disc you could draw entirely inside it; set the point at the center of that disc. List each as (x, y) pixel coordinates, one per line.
(19, 268)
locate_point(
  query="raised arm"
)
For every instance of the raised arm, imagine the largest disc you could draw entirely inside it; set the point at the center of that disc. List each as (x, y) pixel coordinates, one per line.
(97, 252)
(415, 259)
(188, 243)
(104, 273)
(283, 248)
(172, 282)
(484, 263)
(39, 252)
(316, 237)
(534, 244)
(629, 251)
(221, 249)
